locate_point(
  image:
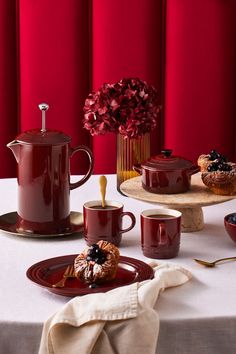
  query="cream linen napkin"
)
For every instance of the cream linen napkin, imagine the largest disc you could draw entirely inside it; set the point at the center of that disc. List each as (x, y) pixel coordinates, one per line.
(117, 322)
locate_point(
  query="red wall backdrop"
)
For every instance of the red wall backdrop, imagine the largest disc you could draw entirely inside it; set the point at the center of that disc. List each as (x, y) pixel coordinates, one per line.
(58, 51)
(200, 77)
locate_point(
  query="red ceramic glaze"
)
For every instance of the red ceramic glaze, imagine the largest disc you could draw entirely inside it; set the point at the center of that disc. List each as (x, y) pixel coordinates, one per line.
(230, 227)
(160, 236)
(105, 224)
(50, 271)
(166, 174)
(44, 186)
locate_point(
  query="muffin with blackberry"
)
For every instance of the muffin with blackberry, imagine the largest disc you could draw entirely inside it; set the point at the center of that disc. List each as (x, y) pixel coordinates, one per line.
(97, 263)
(205, 160)
(220, 177)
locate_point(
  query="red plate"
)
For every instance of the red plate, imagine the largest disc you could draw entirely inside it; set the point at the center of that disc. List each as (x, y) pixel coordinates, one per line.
(50, 271)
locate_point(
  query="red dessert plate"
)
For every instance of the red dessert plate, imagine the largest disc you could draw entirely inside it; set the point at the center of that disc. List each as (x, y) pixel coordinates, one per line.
(50, 271)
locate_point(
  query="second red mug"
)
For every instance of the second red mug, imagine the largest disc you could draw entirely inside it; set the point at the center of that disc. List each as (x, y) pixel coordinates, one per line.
(160, 233)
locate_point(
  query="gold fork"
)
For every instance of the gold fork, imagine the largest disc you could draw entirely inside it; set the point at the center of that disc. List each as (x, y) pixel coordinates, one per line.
(212, 264)
(69, 273)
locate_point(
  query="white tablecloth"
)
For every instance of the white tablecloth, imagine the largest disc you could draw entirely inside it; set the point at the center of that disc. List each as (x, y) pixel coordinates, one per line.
(197, 318)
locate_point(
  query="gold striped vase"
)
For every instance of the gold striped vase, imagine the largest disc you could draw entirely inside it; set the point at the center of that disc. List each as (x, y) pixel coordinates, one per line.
(130, 152)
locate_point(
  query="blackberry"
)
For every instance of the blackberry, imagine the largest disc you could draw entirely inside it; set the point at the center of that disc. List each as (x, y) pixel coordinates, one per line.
(96, 254)
(232, 219)
(214, 155)
(93, 250)
(224, 158)
(219, 165)
(100, 260)
(225, 167)
(93, 286)
(221, 160)
(212, 167)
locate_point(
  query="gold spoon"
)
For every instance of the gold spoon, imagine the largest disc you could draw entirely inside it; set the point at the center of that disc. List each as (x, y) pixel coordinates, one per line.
(212, 264)
(103, 186)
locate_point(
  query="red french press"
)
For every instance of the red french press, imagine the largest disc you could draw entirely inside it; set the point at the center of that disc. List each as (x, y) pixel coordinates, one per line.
(43, 158)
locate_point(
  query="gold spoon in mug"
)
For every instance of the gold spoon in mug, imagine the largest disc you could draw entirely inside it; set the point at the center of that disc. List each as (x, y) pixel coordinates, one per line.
(212, 264)
(103, 186)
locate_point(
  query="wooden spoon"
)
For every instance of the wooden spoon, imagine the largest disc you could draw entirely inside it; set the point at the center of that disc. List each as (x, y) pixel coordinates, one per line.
(103, 186)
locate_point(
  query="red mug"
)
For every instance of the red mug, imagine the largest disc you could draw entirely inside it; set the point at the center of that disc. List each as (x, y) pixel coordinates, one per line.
(105, 223)
(160, 233)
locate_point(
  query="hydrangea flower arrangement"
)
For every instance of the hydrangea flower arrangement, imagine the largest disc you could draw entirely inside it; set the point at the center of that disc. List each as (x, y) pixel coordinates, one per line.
(128, 107)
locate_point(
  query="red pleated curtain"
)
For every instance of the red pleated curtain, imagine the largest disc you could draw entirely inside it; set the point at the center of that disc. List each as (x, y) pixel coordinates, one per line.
(58, 51)
(200, 77)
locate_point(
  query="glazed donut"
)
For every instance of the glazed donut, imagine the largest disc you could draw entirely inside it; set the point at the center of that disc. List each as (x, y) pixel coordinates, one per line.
(97, 263)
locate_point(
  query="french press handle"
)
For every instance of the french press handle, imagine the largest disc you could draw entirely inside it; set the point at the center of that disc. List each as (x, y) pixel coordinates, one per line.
(91, 165)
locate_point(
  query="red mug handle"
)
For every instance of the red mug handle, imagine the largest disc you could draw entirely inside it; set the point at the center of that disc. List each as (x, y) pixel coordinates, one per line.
(162, 234)
(91, 164)
(133, 220)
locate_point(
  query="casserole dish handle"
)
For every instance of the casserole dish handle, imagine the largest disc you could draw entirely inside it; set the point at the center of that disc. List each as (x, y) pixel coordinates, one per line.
(194, 169)
(137, 167)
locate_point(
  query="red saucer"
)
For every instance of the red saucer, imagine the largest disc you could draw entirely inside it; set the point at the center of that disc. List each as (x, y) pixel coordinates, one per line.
(49, 271)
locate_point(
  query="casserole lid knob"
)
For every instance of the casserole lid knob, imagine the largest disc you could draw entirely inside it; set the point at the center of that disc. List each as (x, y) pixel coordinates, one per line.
(167, 152)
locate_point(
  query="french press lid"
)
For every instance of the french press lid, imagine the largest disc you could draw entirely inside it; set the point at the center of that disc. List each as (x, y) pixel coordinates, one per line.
(43, 136)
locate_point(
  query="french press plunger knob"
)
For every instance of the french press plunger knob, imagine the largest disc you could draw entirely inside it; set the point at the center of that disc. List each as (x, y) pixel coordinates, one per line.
(43, 107)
